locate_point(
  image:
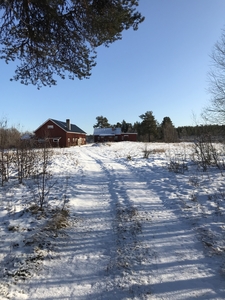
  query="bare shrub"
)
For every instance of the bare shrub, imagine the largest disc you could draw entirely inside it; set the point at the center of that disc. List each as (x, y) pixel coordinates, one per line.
(42, 176)
(3, 152)
(178, 162)
(24, 160)
(194, 181)
(177, 166)
(146, 152)
(193, 196)
(205, 153)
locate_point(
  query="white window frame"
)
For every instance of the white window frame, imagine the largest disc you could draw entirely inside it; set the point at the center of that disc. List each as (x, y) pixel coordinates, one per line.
(50, 126)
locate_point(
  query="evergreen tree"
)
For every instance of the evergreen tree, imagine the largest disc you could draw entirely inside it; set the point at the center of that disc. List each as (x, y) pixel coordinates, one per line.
(148, 126)
(58, 37)
(117, 125)
(102, 122)
(168, 131)
(137, 128)
(124, 126)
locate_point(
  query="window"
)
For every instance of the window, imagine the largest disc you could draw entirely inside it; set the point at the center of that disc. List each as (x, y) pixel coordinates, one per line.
(68, 139)
(50, 126)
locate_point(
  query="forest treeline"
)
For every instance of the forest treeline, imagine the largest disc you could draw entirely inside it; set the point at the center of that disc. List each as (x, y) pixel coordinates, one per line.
(150, 130)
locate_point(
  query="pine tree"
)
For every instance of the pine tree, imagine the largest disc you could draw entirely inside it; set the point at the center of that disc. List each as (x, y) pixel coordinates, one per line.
(148, 126)
(59, 37)
(124, 126)
(102, 122)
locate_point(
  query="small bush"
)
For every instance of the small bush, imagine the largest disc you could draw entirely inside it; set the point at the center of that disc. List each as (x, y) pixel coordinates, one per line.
(194, 181)
(146, 152)
(177, 166)
(178, 162)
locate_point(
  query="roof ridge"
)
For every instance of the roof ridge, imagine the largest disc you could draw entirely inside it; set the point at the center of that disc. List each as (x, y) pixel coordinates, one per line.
(63, 125)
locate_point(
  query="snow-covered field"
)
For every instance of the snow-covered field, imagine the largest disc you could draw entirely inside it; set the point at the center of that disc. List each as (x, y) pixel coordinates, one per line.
(117, 226)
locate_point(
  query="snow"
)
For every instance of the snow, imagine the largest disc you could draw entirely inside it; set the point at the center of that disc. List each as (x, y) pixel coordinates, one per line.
(107, 131)
(134, 230)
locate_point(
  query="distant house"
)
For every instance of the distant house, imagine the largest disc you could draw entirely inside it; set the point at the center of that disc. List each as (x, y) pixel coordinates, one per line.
(60, 134)
(113, 134)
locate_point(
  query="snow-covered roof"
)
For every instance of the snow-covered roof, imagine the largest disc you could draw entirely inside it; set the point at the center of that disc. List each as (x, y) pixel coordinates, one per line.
(107, 131)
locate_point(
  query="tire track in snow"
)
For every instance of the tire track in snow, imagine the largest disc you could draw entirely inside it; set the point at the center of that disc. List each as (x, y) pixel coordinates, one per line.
(181, 269)
(126, 250)
(78, 270)
(130, 250)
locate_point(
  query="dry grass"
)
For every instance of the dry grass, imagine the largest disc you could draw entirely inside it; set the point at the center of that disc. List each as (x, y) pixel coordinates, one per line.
(147, 152)
(158, 150)
(59, 220)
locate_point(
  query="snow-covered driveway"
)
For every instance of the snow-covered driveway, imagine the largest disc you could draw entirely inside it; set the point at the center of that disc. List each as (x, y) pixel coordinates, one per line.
(129, 240)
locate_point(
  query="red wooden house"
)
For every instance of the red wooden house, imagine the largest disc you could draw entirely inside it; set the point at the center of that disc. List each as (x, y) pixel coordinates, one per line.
(113, 134)
(60, 134)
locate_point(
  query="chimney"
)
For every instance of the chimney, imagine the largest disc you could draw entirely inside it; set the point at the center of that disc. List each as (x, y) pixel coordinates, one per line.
(68, 125)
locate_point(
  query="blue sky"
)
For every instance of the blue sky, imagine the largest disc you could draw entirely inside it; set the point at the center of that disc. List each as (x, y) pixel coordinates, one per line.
(162, 68)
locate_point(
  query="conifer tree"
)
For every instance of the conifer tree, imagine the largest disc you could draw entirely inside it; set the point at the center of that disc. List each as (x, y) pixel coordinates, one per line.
(59, 37)
(169, 133)
(102, 122)
(148, 126)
